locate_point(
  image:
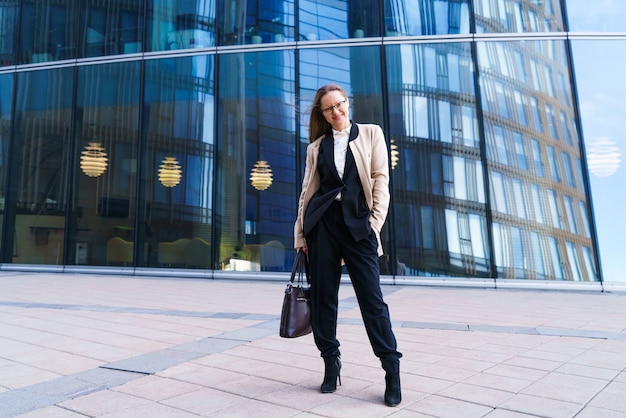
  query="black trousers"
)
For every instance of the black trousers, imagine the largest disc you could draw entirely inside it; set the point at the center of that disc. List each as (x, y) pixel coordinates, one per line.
(327, 243)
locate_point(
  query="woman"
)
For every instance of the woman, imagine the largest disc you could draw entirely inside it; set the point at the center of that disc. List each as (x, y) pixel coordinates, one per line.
(341, 211)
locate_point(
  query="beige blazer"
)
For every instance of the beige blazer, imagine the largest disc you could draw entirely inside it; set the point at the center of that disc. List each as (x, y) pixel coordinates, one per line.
(370, 154)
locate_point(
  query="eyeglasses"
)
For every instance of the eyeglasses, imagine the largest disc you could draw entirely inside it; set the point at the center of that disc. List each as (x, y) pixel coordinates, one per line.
(339, 106)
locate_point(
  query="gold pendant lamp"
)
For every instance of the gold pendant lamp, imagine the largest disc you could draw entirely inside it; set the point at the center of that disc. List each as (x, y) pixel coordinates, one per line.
(93, 161)
(261, 175)
(170, 173)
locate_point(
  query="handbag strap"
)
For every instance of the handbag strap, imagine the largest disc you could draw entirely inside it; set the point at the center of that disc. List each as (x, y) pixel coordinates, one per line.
(300, 268)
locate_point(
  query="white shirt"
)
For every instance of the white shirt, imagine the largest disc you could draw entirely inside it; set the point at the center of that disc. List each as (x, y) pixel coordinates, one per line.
(341, 147)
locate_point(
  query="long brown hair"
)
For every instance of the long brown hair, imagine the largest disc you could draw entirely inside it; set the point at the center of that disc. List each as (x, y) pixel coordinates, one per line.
(318, 125)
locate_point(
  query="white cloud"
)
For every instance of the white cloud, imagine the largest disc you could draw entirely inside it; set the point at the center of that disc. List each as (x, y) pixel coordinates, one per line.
(603, 156)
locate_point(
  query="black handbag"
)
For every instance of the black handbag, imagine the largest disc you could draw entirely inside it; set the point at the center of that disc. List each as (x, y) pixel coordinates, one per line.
(295, 318)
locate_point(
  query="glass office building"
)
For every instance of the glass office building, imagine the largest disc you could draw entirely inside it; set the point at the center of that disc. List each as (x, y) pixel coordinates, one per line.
(169, 136)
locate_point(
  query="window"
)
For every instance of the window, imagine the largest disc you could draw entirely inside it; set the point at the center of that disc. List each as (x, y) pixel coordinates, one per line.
(534, 105)
(554, 164)
(573, 263)
(585, 218)
(537, 204)
(445, 122)
(555, 212)
(537, 159)
(565, 128)
(477, 236)
(537, 256)
(569, 173)
(470, 128)
(520, 202)
(571, 217)
(590, 265)
(500, 145)
(556, 259)
(551, 122)
(427, 230)
(522, 159)
(452, 230)
(499, 194)
(548, 76)
(501, 99)
(534, 68)
(521, 108)
(460, 179)
(518, 253)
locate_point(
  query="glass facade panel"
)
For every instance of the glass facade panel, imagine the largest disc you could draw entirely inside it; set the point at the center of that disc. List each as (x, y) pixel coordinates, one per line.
(256, 132)
(147, 122)
(253, 22)
(426, 17)
(47, 31)
(68, 29)
(504, 135)
(178, 173)
(107, 121)
(9, 10)
(518, 16)
(338, 19)
(38, 191)
(111, 28)
(179, 25)
(438, 170)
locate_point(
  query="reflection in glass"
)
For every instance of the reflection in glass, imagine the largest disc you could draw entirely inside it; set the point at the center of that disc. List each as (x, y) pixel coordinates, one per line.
(257, 123)
(104, 230)
(338, 19)
(93, 160)
(180, 25)
(248, 22)
(111, 28)
(45, 30)
(543, 142)
(179, 106)
(8, 24)
(426, 17)
(518, 16)
(438, 187)
(40, 160)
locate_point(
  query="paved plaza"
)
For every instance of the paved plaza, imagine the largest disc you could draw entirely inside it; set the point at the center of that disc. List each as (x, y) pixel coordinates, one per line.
(77, 345)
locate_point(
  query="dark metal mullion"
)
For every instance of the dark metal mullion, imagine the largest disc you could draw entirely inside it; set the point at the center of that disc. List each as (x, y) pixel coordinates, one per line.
(215, 247)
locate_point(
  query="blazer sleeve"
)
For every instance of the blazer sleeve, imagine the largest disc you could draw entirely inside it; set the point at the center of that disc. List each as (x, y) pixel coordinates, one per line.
(380, 179)
(298, 234)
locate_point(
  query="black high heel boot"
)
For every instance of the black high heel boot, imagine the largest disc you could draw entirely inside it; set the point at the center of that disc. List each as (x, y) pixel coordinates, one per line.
(393, 396)
(332, 369)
